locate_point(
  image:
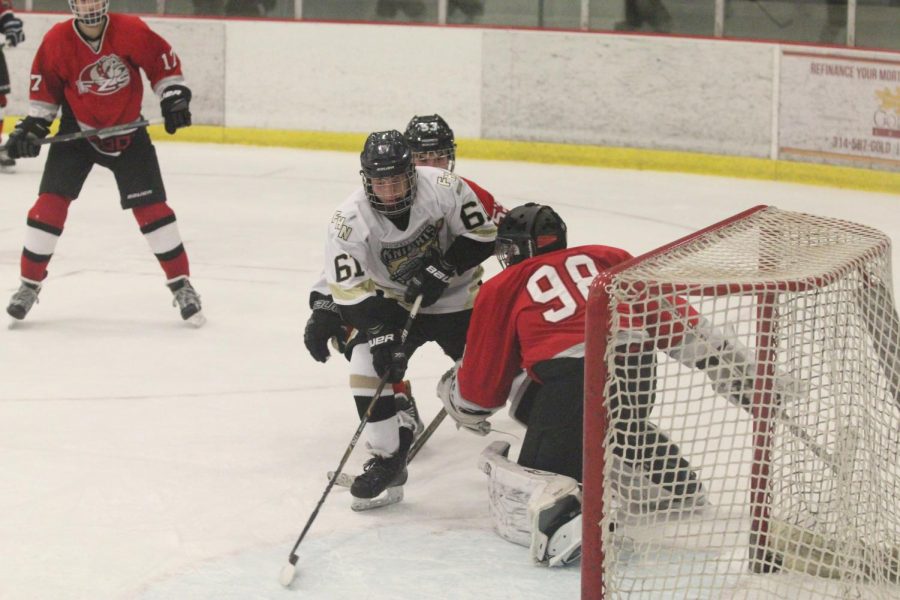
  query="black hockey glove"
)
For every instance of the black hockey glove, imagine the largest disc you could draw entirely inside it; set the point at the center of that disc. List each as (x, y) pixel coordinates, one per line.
(430, 280)
(175, 104)
(324, 323)
(388, 354)
(12, 29)
(22, 142)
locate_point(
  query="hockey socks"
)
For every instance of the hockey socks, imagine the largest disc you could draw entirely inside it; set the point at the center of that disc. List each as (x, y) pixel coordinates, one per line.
(160, 229)
(45, 224)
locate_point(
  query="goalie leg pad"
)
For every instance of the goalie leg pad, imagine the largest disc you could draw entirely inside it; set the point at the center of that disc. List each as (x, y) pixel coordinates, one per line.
(533, 508)
(555, 516)
(639, 494)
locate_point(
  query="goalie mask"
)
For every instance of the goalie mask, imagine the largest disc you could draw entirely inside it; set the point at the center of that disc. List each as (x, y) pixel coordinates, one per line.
(431, 141)
(529, 230)
(388, 173)
(89, 12)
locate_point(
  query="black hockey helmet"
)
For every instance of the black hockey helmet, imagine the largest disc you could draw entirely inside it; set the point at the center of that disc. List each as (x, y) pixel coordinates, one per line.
(388, 173)
(431, 139)
(529, 230)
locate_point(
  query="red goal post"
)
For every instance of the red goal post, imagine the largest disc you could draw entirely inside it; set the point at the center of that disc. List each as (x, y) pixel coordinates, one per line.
(800, 479)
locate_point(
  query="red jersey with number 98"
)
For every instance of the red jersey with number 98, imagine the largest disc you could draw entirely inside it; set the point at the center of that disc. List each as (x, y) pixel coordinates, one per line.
(530, 312)
(535, 310)
(103, 86)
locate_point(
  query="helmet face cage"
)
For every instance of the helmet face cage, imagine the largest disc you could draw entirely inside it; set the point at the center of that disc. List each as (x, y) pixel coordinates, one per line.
(431, 141)
(510, 251)
(529, 230)
(388, 173)
(89, 12)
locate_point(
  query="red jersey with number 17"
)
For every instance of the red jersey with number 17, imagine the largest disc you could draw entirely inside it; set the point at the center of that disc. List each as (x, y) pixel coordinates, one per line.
(102, 86)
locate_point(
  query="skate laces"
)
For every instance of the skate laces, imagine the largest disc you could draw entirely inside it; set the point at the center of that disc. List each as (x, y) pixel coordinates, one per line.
(25, 296)
(185, 296)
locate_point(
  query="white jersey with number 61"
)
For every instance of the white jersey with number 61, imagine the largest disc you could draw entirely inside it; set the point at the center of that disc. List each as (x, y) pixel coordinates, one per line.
(366, 252)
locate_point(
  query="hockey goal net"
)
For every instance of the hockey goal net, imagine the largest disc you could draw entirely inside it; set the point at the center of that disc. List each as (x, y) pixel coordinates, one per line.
(765, 461)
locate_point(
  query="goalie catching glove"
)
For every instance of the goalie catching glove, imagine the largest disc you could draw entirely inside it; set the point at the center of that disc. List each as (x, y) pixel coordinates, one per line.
(729, 365)
(466, 414)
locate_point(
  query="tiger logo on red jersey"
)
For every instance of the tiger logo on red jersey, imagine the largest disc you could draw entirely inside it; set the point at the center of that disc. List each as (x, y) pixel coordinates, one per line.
(104, 77)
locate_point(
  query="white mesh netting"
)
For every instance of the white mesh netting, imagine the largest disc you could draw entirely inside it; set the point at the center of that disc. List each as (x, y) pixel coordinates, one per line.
(753, 444)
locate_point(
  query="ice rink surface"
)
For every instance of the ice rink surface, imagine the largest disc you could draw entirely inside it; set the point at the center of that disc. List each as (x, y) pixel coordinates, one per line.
(141, 458)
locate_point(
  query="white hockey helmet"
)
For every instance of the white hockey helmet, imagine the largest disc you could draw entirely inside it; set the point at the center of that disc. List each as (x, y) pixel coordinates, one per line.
(89, 12)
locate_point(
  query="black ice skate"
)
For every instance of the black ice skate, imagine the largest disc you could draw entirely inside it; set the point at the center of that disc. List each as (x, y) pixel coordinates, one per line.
(22, 301)
(408, 411)
(382, 479)
(188, 301)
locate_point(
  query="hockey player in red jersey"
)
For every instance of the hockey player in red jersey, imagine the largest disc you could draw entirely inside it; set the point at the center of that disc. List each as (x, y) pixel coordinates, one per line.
(11, 30)
(532, 316)
(89, 68)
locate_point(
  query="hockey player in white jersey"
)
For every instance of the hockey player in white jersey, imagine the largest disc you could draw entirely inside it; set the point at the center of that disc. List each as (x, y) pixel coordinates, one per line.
(433, 144)
(408, 231)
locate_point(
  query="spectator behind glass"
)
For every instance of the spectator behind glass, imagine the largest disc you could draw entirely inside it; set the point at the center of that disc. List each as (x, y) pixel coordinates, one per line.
(651, 13)
(248, 8)
(836, 11)
(469, 8)
(388, 9)
(209, 7)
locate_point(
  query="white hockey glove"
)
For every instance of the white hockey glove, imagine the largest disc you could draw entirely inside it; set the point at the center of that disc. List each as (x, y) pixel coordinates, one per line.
(729, 364)
(467, 415)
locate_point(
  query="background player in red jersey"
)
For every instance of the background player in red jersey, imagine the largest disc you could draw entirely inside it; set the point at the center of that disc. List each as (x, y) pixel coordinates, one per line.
(532, 316)
(11, 30)
(89, 67)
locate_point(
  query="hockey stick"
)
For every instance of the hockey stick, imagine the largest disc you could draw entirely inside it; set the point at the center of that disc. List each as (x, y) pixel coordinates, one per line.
(88, 133)
(425, 435)
(346, 480)
(885, 332)
(290, 569)
(771, 17)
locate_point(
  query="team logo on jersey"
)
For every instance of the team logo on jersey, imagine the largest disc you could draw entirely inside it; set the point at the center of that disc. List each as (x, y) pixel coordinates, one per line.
(405, 258)
(343, 231)
(446, 179)
(104, 77)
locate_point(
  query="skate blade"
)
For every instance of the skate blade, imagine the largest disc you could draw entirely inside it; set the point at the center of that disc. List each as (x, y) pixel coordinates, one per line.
(343, 480)
(197, 319)
(391, 495)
